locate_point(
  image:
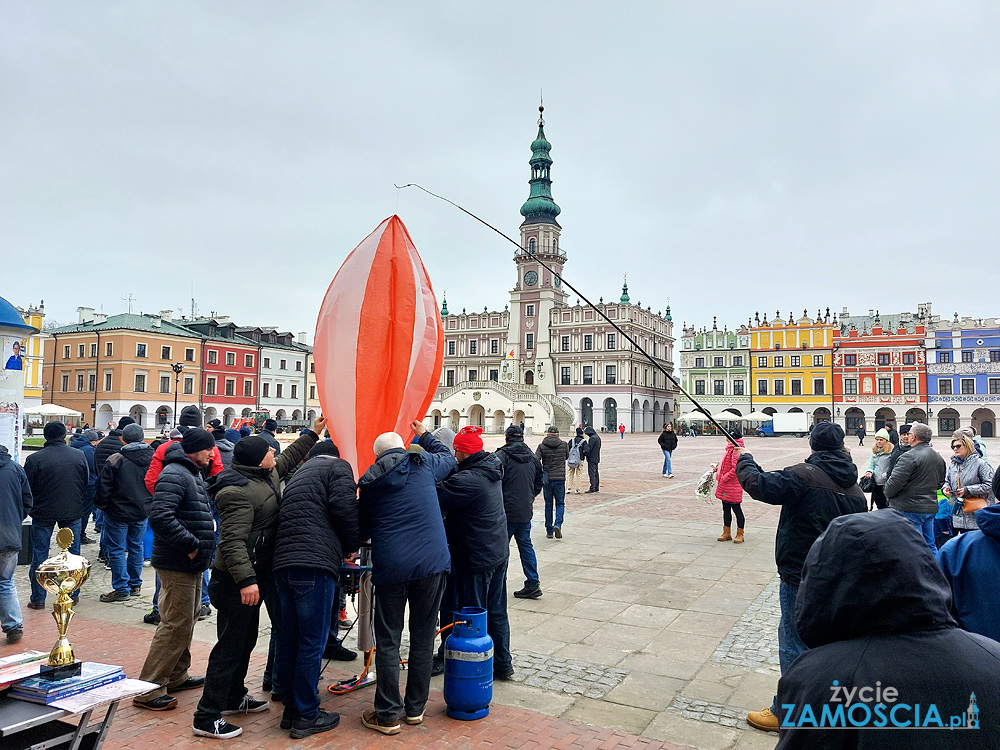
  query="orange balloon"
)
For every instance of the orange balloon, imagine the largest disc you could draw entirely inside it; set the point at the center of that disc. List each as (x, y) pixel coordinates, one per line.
(379, 344)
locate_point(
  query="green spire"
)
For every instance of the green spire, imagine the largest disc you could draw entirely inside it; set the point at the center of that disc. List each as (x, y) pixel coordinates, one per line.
(444, 306)
(540, 208)
(625, 298)
(667, 316)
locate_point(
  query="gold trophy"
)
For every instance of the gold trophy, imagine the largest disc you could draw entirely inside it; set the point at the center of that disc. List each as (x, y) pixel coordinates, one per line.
(62, 574)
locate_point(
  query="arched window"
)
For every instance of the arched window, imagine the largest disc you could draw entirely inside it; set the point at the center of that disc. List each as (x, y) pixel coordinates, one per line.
(531, 245)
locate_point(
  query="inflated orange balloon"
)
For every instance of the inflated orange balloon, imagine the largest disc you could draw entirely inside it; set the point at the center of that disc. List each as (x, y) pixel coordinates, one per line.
(379, 344)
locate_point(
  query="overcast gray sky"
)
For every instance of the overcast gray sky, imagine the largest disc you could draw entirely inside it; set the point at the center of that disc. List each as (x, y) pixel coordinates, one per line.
(730, 156)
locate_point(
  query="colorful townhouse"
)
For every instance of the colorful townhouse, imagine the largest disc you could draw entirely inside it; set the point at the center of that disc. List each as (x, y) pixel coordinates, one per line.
(879, 375)
(963, 375)
(33, 355)
(715, 369)
(791, 365)
(228, 382)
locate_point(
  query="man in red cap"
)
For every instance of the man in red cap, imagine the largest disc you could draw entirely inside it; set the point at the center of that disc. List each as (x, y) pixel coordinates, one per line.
(476, 525)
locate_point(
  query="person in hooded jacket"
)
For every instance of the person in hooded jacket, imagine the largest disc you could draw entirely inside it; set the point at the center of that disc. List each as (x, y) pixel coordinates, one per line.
(123, 498)
(190, 418)
(522, 481)
(110, 445)
(810, 494)
(317, 527)
(553, 452)
(57, 475)
(970, 563)
(225, 446)
(593, 459)
(15, 505)
(729, 491)
(667, 441)
(398, 511)
(968, 483)
(247, 498)
(183, 542)
(85, 441)
(476, 524)
(884, 651)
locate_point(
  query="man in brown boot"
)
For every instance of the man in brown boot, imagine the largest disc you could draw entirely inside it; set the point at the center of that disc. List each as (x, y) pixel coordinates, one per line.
(810, 494)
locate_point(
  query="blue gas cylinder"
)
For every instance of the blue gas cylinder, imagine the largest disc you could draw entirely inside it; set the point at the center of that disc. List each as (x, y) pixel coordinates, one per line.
(468, 666)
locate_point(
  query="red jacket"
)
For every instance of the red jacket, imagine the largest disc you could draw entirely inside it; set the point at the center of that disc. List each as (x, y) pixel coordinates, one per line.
(728, 487)
(156, 466)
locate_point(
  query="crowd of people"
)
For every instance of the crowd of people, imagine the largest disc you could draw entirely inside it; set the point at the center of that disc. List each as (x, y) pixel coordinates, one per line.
(251, 527)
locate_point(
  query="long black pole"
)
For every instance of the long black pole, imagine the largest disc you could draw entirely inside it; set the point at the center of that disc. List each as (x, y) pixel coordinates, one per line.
(582, 296)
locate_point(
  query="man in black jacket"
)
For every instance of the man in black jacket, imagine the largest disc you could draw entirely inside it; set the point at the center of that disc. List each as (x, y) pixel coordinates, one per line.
(476, 525)
(110, 445)
(317, 527)
(872, 634)
(58, 478)
(522, 481)
(811, 495)
(593, 457)
(124, 499)
(553, 452)
(183, 545)
(899, 449)
(268, 434)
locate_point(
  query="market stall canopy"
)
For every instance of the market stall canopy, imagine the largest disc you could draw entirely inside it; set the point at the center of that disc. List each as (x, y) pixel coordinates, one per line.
(693, 416)
(757, 416)
(52, 410)
(731, 416)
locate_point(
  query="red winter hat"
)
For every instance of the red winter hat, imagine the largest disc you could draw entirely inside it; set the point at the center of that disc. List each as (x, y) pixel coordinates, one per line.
(468, 440)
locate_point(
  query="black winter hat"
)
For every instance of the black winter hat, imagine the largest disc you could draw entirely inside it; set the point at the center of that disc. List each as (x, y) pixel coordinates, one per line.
(904, 429)
(191, 416)
(326, 448)
(197, 439)
(514, 434)
(219, 433)
(125, 422)
(736, 434)
(250, 451)
(215, 423)
(270, 424)
(54, 431)
(827, 436)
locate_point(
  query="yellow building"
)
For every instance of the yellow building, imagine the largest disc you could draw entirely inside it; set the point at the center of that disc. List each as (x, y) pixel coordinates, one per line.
(33, 356)
(791, 366)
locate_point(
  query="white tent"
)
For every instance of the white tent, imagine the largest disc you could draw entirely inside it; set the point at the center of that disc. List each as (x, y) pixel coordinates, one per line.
(757, 416)
(693, 416)
(728, 415)
(52, 410)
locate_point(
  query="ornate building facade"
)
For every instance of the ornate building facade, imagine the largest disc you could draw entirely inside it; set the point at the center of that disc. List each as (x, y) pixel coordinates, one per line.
(715, 369)
(963, 375)
(543, 361)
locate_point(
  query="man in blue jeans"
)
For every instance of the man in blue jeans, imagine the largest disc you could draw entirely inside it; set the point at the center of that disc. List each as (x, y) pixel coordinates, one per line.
(317, 527)
(15, 505)
(914, 482)
(122, 495)
(810, 494)
(57, 475)
(553, 452)
(522, 481)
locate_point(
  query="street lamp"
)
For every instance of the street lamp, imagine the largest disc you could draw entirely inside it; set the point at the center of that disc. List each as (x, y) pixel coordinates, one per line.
(178, 368)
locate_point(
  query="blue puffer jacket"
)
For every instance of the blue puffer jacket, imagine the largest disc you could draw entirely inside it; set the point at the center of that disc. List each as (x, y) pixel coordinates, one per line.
(15, 501)
(970, 562)
(82, 444)
(399, 512)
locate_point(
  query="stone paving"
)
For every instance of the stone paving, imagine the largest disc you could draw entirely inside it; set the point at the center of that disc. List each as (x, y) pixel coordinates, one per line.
(672, 632)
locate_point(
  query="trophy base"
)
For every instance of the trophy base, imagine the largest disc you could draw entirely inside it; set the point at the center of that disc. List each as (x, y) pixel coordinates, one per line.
(61, 672)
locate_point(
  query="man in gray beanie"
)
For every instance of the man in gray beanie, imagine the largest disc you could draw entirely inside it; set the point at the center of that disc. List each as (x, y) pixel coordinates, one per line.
(124, 499)
(810, 494)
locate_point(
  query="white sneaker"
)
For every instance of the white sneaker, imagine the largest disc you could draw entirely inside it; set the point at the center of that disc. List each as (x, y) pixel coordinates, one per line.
(670, 476)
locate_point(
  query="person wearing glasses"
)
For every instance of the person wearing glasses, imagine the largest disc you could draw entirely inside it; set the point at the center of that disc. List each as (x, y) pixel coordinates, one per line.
(914, 482)
(968, 482)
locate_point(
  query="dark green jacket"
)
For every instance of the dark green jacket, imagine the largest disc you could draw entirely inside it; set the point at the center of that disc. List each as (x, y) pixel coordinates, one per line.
(247, 500)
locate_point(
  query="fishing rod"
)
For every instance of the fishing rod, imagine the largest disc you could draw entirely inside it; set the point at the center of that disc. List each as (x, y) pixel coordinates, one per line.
(582, 296)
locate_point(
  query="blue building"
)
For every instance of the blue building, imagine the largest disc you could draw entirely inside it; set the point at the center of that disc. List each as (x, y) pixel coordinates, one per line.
(963, 376)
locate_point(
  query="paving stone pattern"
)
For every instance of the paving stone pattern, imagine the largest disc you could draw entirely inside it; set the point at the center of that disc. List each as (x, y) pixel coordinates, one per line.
(712, 713)
(753, 641)
(570, 676)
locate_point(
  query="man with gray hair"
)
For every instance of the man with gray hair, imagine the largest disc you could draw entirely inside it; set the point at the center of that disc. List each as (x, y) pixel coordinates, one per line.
(915, 480)
(398, 511)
